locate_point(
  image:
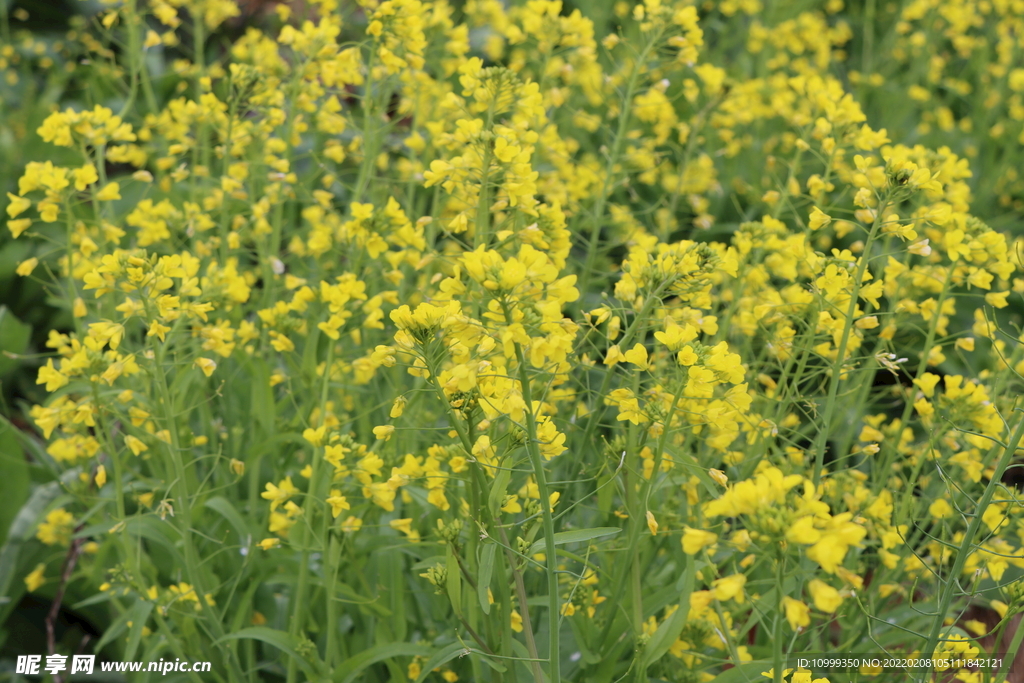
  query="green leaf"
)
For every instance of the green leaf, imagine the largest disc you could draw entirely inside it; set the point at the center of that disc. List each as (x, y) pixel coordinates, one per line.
(14, 336)
(441, 657)
(157, 531)
(353, 666)
(484, 578)
(22, 528)
(283, 642)
(311, 356)
(496, 496)
(114, 631)
(576, 536)
(747, 671)
(225, 509)
(243, 615)
(262, 395)
(669, 630)
(16, 478)
(140, 613)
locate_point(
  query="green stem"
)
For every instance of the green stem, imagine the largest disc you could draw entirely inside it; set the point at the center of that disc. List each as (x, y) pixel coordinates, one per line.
(333, 565)
(837, 365)
(369, 133)
(642, 316)
(299, 607)
(1011, 651)
(869, 39)
(963, 553)
(184, 513)
(481, 233)
(551, 560)
(199, 46)
(613, 161)
(517, 576)
(892, 445)
(777, 640)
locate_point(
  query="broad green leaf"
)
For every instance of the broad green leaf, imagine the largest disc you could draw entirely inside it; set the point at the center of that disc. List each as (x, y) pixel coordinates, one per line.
(351, 668)
(441, 657)
(576, 536)
(16, 478)
(114, 631)
(496, 496)
(140, 613)
(225, 509)
(22, 528)
(747, 671)
(669, 630)
(14, 336)
(157, 531)
(484, 578)
(283, 642)
(262, 395)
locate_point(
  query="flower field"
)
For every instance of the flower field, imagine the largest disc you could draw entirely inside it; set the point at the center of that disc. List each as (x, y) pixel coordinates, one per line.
(513, 341)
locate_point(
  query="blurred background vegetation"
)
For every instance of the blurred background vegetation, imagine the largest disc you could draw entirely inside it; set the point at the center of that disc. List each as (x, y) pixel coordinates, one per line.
(49, 59)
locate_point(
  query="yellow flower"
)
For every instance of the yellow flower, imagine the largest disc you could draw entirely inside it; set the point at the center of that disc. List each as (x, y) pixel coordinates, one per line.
(351, 525)
(675, 335)
(101, 476)
(338, 503)
(84, 176)
(403, 525)
(730, 588)
(517, 621)
(279, 493)
(26, 267)
(940, 509)
(206, 365)
(17, 205)
(826, 598)
(315, 436)
(652, 523)
(818, 219)
(35, 579)
(694, 540)
(56, 529)
(135, 444)
(51, 377)
(383, 432)
(831, 549)
(268, 543)
(637, 356)
(797, 613)
(398, 407)
(997, 299)
(803, 531)
(19, 226)
(687, 356)
(109, 192)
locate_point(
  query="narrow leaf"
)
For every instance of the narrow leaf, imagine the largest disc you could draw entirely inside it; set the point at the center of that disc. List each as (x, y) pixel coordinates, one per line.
(140, 614)
(441, 657)
(484, 579)
(576, 536)
(353, 666)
